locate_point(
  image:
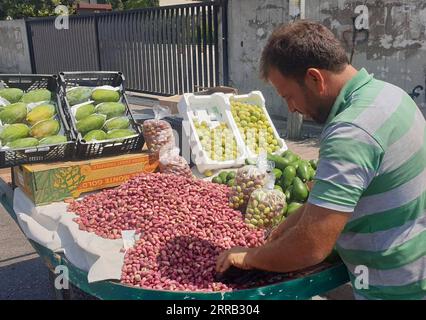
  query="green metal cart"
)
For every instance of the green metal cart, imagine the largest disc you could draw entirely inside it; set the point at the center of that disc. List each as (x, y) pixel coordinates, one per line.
(305, 287)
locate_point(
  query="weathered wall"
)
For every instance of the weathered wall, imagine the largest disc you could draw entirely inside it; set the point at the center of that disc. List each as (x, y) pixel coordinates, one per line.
(14, 52)
(250, 24)
(393, 47)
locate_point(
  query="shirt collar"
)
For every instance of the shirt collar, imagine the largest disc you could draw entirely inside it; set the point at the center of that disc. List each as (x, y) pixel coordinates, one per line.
(361, 78)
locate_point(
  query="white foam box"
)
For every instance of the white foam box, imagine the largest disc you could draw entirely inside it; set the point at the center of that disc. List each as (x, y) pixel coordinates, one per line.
(212, 109)
(256, 98)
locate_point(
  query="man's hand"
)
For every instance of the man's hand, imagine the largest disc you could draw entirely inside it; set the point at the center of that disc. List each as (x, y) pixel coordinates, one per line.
(236, 256)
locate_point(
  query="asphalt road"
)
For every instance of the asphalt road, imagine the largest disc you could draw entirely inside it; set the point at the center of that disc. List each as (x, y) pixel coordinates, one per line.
(23, 275)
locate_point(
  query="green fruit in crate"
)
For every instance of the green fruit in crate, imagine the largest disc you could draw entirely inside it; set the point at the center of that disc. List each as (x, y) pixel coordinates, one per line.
(84, 111)
(303, 171)
(14, 131)
(23, 143)
(78, 95)
(255, 128)
(58, 139)
(117, 123)
(45, 128)
(105, 95)
(37, 96)
(13, 113)
(300, 190)
(288, 176)
(12, 95)
(277, 173)
(98, 135)
(293, 207)
(40, 113)
(217, 180)
(111, 109)
(120, 133)
(218, 143)
(92, 122)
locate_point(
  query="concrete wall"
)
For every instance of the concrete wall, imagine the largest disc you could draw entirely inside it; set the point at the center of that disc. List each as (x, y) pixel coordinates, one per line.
(250, 24)
(393, 47)
(14, 52)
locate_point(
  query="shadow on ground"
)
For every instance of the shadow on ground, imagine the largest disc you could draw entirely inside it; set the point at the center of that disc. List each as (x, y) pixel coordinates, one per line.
(25, 280)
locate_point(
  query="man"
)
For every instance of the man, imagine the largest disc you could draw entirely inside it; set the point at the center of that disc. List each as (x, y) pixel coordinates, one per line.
(369, 196)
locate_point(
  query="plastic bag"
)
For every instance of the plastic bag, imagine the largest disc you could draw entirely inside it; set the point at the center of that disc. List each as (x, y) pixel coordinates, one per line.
(172, 163)
(158, 133)
(248, 179)
(266, 206)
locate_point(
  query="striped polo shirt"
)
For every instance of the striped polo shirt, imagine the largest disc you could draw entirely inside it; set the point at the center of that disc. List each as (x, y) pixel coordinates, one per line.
(372, 164)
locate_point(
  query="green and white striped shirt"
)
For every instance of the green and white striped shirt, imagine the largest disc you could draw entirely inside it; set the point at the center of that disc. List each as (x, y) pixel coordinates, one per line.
(372, 164)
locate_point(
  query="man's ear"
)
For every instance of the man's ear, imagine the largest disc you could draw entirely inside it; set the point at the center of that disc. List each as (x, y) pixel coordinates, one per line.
(315, 80)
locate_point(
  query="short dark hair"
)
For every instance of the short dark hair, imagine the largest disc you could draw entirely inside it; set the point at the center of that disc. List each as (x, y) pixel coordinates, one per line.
(296, 47)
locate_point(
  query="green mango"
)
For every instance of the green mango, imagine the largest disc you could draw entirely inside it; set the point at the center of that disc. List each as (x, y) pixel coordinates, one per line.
(291, 157)
(14, 131)
(111, 109)
(23, 143)
(232, 175)
(312, 173)
(92, 122)
(289, 174)
(37, 96)
(117, 123)
(300, 190)
(120, 133)
(78, 95)
(84, 111)
(231, 182)
(13, 113)
(313, 164)
(303, 171)
(293, 207)
(286, 153)
(217, 180)
(280, 162)
(104, 95)
(40, 113)
(223, 176)
(289, 193)
(45, 129)
(277, 173)
(278, 187)
(98, 135)
(58, 139)
(12, 95)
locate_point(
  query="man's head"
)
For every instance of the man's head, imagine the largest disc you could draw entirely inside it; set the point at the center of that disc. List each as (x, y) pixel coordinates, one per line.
(303, 60)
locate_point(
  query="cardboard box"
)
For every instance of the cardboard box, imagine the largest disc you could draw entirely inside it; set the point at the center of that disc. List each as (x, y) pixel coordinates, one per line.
(47, 183)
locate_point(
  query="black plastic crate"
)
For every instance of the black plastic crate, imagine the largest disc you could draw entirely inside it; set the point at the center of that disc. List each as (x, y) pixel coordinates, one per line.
(60, 152)
(95, 79)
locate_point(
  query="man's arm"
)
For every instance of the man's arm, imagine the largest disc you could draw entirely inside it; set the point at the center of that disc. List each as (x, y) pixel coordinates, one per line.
(303, 245)
(289, 222)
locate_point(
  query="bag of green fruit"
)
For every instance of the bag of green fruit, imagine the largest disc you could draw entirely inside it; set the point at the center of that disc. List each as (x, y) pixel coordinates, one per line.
(248, 179)
(266, 206)
(158, 133)
(172, 163)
